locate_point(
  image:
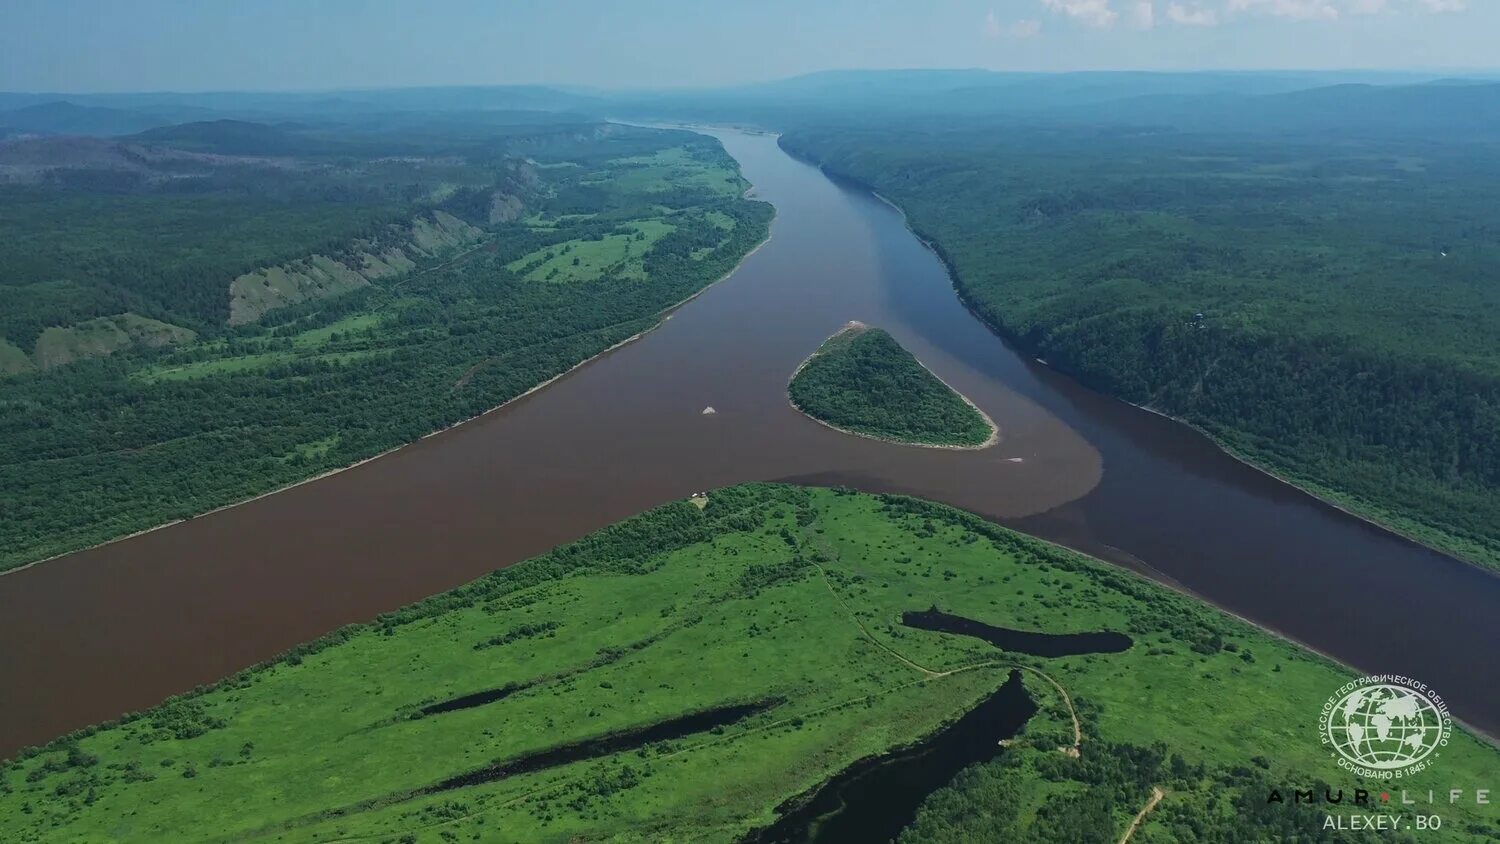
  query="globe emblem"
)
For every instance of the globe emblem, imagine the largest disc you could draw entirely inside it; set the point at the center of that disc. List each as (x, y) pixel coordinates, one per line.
(1384, 727)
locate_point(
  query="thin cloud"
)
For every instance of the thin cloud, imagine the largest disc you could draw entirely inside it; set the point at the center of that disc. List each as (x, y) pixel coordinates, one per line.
(1025, 29)
(1146, 14)
(1143, 15)
(1196, 16)
(993, 28)
(1332, 10)
(1302, 10)
(991, 24)
(1095, 13)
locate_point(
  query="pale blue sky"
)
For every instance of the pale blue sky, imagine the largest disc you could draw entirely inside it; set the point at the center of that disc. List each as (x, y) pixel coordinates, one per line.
(188, 45)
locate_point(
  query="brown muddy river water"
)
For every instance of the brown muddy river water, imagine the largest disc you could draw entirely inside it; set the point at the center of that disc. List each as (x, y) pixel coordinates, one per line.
(99, 633)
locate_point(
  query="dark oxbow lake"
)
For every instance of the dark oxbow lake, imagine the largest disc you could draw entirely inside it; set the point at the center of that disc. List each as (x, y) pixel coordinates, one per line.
(118, 628)
(1020, 641)
(875, 798)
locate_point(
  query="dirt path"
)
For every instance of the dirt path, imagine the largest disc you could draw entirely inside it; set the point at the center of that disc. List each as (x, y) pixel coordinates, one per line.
(1156, 795)
(870, 636)
(1077, 749)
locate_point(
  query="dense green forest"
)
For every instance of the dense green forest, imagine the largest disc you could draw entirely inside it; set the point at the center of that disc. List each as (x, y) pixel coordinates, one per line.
(862, 381)
(1031, 796)
(160, 223)
(654, 681)
(581, 237)
(1324, 305)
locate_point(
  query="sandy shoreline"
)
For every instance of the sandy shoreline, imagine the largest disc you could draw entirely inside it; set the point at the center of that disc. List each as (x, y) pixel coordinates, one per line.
(1312, 493)
(855, 325)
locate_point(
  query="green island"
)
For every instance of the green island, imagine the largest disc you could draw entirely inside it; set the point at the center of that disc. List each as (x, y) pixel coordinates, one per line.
(1324, 310)
(861, 381)
(653, 682)
(205, 312)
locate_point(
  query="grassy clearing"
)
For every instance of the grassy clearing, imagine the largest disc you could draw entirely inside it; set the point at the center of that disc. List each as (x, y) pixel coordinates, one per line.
(105, 336)
(614, 255)
(13, 359)
(311, 345)
(242, 363)
(669, 170)
(766, 592)
(350, 325)
(217, 366)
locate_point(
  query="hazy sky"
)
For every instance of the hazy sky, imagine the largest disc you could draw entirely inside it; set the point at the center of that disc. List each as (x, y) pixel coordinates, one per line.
(117, 45)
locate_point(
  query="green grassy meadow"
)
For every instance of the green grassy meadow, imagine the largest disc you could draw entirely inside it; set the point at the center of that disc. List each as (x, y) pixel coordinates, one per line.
(677, 611)
(621, 255)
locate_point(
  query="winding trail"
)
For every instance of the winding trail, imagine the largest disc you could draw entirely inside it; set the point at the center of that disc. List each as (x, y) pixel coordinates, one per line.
(1156, 795)
(1074, 752)
(1077, 749)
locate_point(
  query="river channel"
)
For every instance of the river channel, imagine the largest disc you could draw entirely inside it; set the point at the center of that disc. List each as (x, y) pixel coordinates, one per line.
(117, 628)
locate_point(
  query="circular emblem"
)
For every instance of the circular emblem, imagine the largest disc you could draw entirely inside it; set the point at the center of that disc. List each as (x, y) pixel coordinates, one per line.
(1385, 726)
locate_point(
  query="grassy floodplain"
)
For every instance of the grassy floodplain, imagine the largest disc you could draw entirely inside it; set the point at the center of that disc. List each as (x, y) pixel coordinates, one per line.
(682, 610)
(861, 381)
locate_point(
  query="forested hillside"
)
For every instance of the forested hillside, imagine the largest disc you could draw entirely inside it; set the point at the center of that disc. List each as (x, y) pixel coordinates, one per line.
(398, 292)
(161, 223)
(1323, 305)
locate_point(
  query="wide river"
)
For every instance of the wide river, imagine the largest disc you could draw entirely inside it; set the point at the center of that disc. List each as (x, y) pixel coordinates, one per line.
(102, 632)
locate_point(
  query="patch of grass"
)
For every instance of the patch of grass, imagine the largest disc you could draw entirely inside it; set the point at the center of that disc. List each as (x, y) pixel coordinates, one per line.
(216, 366)
(315, 449)
(615, 255)
(768, 591)
(349, 325)
(104, 336)
(13, 359)
(671, 169)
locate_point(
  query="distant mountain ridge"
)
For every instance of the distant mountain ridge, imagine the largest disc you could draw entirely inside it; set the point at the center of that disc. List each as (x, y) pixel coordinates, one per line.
(228, 137)
(248, 122)
(66, 118)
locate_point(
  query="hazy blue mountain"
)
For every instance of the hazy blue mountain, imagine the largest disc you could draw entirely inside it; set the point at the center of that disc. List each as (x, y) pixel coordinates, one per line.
(230, 137)
(1468, 108)
(66, 118)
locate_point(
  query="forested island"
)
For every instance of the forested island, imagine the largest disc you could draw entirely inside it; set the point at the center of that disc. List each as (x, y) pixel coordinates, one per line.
(204, 312)
(656, 678)
(861, 381)
(1320, 300)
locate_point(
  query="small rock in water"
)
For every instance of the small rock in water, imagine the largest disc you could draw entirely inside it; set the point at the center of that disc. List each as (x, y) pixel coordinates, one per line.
(707, 411)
